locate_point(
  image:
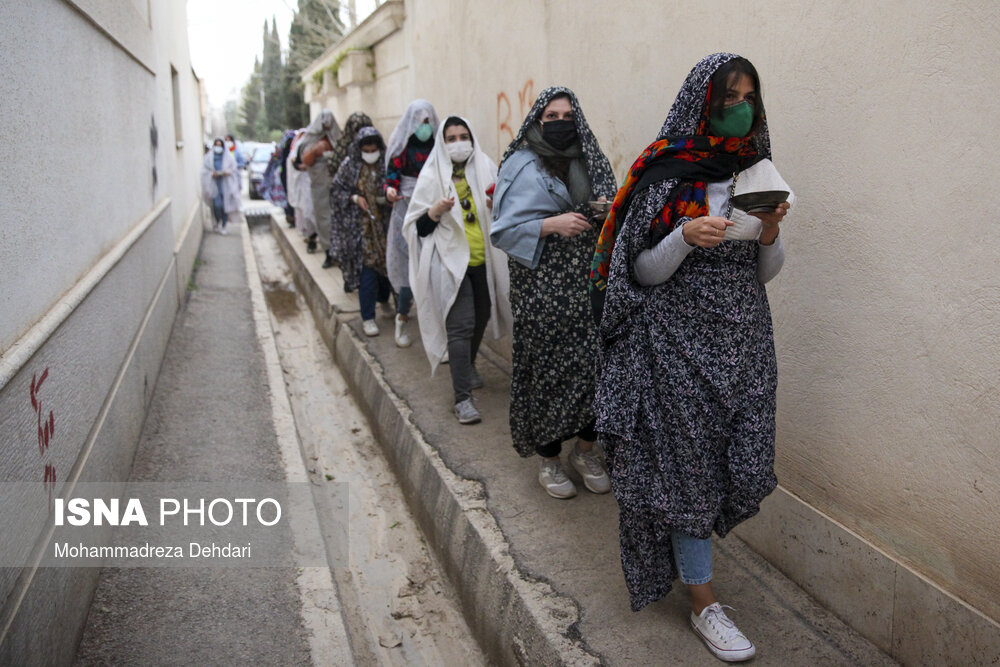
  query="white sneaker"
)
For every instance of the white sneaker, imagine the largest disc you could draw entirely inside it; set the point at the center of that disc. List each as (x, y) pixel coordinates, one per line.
(402, 338)
(387, 309)
(369, 327)
(223, 231)
(721, 635)
(553, 479)
(589, 465)
(467, 413)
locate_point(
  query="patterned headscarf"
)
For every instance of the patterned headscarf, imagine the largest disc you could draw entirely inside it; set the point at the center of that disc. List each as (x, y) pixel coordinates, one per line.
(416, 113)
(355, 122)
(675, 168)
(602, 178)
(357, 238)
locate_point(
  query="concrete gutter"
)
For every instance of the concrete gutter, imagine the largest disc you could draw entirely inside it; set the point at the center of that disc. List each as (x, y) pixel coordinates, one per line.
(517, 620)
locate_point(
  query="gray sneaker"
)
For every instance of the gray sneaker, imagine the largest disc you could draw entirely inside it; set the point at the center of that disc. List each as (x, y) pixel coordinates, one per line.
(467, 413)
(477, 381)
(589, 465)
(553, 479)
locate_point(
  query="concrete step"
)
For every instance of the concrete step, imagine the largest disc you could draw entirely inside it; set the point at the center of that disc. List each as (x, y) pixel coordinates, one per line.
(540, 579)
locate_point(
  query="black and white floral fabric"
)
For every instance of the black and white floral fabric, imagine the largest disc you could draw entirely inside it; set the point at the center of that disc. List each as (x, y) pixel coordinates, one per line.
(555, 339)
(686, 382)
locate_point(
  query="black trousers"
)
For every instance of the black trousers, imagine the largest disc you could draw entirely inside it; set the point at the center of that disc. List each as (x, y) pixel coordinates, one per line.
(465, 325)
(553, 449)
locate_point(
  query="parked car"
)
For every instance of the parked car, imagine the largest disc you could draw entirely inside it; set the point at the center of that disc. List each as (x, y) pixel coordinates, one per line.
(258, 163)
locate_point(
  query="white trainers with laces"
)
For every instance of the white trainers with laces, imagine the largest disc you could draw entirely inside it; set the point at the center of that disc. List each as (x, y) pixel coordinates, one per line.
(402, 338)
(369, 327)
(721, 635)
(589, 465)
(553, 479)
(467, 413)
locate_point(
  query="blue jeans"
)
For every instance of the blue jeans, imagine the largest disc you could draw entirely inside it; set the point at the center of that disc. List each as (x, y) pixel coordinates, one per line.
(219, 210)
(374, 287)
(693, 557)
(404, 301)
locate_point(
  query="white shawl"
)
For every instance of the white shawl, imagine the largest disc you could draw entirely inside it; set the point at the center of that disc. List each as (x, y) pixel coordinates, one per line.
(299, 194)
(438, 262)
(232, 182)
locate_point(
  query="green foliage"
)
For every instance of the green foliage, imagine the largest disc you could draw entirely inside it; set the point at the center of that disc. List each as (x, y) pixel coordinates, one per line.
(273, 98)
(250, 107)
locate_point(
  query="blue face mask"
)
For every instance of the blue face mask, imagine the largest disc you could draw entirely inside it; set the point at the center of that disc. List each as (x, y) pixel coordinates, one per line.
(734, 121)
(423, 133)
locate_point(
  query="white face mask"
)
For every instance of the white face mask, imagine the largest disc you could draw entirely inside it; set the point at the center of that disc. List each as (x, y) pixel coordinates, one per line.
(459, 151)
(229, 145)
(217, 149)
(371, 158)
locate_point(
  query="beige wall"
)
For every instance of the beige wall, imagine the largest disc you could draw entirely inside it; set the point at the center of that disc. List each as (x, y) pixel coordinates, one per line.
(887, 313)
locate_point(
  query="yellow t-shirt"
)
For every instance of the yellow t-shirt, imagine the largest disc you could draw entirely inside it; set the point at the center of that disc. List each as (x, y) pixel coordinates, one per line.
(473, 233)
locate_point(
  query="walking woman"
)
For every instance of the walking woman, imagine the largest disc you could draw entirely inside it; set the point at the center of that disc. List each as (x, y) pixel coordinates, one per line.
(355, 122)
(316, 145)
(298, 193)
(220, 184)
(687, 374)
(549, 173)
(459, 280)
(272, 184)
(410, 145)
(354, 196)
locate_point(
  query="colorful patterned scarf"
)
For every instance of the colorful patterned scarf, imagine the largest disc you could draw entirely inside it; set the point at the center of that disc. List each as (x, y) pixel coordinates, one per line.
(693, 160)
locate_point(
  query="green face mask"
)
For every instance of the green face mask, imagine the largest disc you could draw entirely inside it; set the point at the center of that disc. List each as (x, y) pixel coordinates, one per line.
(423, 133)
(734, 122)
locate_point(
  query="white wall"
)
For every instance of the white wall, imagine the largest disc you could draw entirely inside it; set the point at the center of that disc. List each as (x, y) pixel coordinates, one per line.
(887, 312)
(94, 261)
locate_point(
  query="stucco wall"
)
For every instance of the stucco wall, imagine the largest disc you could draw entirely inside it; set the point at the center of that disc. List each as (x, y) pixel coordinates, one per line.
(887, 312)
(94, 257)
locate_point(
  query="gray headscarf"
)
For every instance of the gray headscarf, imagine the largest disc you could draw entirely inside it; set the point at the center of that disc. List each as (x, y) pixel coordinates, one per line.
(322, 125)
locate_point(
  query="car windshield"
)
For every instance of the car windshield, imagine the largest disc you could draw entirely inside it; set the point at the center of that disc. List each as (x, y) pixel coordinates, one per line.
(262, 154)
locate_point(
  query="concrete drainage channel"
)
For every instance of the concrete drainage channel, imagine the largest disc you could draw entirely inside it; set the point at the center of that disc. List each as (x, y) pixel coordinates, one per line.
(397, 607)
(517, 620)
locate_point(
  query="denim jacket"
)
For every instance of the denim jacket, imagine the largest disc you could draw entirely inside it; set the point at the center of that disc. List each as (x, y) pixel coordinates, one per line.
(525, 195)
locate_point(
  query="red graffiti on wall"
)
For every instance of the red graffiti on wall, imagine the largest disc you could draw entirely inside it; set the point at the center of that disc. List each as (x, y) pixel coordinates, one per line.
(505, 111)
(46, 429)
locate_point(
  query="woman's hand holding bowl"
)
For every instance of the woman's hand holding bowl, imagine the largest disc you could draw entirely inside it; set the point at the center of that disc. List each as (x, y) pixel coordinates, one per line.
(770, 222)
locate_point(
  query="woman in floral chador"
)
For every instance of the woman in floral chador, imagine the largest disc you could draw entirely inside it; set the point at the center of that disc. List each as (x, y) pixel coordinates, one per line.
(550, 172)
(354, 200)
(687, 374)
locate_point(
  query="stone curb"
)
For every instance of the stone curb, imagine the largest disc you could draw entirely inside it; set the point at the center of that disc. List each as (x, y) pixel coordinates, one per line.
(516, 619)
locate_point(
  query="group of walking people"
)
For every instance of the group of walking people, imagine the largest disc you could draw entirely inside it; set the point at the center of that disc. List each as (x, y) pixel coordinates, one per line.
(638, 313)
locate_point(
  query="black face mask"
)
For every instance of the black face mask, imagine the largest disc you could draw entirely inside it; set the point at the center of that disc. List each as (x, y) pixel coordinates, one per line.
(559, 134)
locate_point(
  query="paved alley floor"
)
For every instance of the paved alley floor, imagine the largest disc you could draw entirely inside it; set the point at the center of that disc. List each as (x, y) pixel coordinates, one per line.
(210, 420)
